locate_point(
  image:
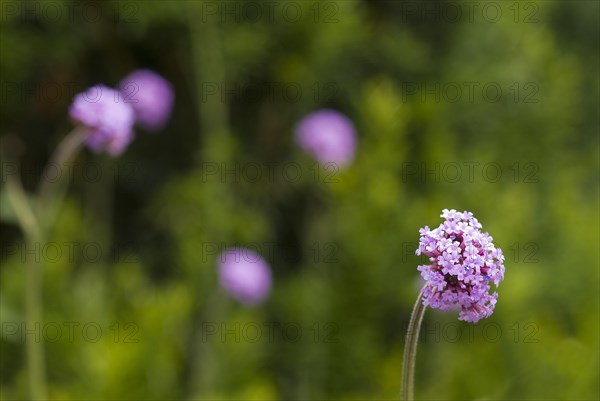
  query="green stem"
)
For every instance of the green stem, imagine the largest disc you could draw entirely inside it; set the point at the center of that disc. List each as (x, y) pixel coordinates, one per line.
(410, 349)
(33, 311)
(20, 204)
(34, 347)
(51, 192)
(210, 67)
(205, 365)
(35, 226)
(213, 122)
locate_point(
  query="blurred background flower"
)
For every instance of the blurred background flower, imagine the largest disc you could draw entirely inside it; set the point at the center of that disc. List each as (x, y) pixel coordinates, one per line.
(244, 275)
(329, 136)
(150, 95)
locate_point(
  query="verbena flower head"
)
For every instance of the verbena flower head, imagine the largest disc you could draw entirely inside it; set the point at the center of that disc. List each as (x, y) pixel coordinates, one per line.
(464, 262)
(329, 136)
(245, 275)
(109, 120)
(150, 95)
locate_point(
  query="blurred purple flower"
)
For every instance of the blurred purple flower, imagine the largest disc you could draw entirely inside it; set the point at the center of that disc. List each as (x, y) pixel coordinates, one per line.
(329, 136)
(245, 275)
(109, 120)
(464, 261)
(150, 95)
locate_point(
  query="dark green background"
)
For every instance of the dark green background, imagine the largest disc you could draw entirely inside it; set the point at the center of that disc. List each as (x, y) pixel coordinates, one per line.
(524, 161)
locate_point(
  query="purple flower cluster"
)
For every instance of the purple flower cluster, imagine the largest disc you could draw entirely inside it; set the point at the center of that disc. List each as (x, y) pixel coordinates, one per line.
(109, 115)
(108, 118)
(245, 275)
(329, 136)
(464, 262)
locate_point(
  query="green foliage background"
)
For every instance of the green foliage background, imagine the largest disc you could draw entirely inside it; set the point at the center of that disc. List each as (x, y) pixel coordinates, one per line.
(342, 250)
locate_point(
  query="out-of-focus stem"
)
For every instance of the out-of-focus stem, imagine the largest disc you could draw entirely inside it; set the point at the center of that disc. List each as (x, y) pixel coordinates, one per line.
(20, 204)
(34, 347)
(35, 227)
(410, 350)
(33, 311)
(51, 192)
(208, 67)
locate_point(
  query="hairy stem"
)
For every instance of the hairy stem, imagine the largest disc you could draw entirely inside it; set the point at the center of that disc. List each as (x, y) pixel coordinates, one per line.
(410, 350)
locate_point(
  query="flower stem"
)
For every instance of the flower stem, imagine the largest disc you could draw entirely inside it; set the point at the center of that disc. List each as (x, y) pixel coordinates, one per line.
(35, 227)
(410, 350)
(213, 122)
(29, 223)
(52, 192)
(33, 312)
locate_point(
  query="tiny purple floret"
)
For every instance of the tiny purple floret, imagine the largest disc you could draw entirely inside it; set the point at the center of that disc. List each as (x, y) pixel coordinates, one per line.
(329, 136)
(463, 263)
(150, 95)
(109, 120)
(245, 275)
